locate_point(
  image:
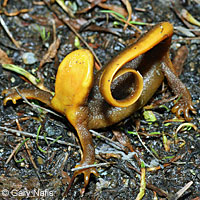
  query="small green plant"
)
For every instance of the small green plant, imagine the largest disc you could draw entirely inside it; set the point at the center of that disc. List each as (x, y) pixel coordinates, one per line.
(149, 116)
(22, 71)
(37, 138)
(121, 18)
(77, 43)
(19, 147)
(43, 34)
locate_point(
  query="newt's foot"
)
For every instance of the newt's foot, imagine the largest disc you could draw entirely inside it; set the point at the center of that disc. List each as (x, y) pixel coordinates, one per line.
(10, 95)
(183, 106)
(86, 172)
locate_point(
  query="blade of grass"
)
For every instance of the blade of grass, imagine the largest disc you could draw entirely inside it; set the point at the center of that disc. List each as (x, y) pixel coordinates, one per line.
(19, 147)
(113, 12)
(21, 71)
(38, 132)
(56, 139)
(142, 182)
(35, 81)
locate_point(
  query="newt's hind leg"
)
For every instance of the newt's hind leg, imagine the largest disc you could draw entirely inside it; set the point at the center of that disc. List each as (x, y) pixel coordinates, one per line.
(184, 104)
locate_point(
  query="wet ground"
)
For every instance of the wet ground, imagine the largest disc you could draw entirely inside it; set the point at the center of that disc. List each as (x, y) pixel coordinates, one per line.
(45, 167)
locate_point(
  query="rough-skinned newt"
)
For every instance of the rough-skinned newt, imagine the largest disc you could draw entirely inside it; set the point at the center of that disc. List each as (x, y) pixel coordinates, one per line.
(124, 85)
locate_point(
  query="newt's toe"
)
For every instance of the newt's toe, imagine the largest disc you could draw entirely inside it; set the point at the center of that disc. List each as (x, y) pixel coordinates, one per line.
(183, 107)
(10, 95)
(86, 172)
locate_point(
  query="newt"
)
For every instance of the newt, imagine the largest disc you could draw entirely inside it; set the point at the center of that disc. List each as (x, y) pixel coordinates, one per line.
(92, 100)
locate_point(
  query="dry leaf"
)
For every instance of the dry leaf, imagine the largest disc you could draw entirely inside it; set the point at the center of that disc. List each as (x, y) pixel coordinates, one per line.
(123, 139)
(115, 8)
(51, 53)
(179, 60)
(4, 59)
(129, 9)
(100, 3)
(92, 5)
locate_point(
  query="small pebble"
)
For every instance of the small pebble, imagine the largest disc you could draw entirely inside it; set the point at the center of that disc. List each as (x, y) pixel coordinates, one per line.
(12, 79)
(29, 58)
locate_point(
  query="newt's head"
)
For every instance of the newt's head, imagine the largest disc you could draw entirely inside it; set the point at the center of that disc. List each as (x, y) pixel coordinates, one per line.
(73, 80)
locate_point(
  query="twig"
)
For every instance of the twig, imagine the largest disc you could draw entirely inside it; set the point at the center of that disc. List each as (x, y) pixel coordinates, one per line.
(54, 30)
(19, 133)
(129, 9)
(5, 3)
(182, 190)
(186, 125)
(8, 32)
(27, 148)
(73, 30)
(65, 8)
(146, 147)
(89, 166)
(120, 147)
(12, 154)
(189, 38)
(64, 161)
(16, 12)
(112, 143)
(126, 22)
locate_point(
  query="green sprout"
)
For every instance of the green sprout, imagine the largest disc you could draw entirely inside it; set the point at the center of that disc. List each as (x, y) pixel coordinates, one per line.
(77, 43)
(149, 116)
(21, 71)
(43, 34)
(37, 137)
(23, 142)
(120, 17)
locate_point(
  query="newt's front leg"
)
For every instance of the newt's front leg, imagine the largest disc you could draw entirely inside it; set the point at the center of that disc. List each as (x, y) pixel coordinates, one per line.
(15, 95)
(78, 117)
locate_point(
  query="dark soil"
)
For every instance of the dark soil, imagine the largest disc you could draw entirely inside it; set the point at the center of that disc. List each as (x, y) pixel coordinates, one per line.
(121, 179)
